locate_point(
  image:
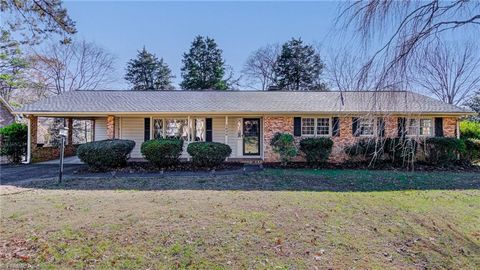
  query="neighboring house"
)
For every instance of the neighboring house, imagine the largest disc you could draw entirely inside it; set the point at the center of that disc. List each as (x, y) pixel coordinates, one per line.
(6, 113)
(247, 120)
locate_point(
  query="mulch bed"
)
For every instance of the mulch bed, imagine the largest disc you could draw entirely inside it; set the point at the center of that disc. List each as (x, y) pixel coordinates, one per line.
(138, 167)
(419, 166)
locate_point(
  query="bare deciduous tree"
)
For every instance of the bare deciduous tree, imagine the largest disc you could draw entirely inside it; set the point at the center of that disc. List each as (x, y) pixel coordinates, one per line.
(406, 27)
(79, 65)
(260, 66)
(451, 72)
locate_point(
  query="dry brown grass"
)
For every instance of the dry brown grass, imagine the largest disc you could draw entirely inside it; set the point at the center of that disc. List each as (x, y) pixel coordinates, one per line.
(254, 229)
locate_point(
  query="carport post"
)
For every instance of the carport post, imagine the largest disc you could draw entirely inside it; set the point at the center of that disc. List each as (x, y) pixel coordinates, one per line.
(63, 135)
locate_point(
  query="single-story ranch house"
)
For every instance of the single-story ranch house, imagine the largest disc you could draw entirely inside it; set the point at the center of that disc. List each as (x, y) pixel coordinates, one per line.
(246, 120)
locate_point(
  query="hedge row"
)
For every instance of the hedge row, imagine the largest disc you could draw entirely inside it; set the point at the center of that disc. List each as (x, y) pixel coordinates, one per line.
(437, 150)
(166, 152)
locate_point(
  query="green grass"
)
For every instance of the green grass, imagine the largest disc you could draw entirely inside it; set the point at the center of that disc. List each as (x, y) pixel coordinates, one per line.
(274, 219)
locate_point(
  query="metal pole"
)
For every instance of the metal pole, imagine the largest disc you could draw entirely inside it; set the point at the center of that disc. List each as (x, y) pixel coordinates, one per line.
(62, 150)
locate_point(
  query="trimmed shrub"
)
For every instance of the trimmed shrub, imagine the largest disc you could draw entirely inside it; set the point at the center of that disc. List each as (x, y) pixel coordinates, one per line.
(163, 152)
(401, 150)
(13, 141)
(208, 154)
(470, 130)
(105, 154)
(472, 152)
(317, 150)
(365, 149)
(441, 150)
(284, 145)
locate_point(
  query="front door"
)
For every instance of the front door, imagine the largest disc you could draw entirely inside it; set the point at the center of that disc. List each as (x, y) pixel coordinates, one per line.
(251, 136)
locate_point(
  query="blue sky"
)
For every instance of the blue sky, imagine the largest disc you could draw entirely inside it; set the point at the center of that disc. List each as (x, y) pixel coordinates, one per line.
(167, 28)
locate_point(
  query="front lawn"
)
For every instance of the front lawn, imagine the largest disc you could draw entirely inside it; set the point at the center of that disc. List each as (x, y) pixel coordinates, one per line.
(278, 219)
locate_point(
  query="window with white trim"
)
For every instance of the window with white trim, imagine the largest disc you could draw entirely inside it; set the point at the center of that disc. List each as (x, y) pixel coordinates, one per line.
(316, 126)
(157, 129)
(308, 126)
(323, 126)
(420, 127)
(176, 128)
(366, 126)
(199, 130)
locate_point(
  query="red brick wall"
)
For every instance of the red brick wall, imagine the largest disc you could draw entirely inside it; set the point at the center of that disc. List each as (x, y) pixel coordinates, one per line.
(273, 124)
(449, 126)
(111, 127)
(40, 154)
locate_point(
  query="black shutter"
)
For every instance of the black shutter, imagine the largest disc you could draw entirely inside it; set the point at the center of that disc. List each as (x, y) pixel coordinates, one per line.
(146, 125)
(402, 127)
(438, 127)
(336, 127)
(381, 126)
(354, 126)
(297, 126)
(208, 129)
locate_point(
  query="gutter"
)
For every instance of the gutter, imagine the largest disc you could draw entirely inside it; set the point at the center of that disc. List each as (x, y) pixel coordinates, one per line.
(86, 114)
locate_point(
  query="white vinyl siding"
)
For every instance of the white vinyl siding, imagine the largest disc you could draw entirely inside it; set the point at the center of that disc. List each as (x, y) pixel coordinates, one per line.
(100, 129)
(218, 127)
(132, 129)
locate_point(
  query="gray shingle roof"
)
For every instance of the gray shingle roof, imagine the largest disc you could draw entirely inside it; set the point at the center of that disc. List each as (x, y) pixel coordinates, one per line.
(239, 102)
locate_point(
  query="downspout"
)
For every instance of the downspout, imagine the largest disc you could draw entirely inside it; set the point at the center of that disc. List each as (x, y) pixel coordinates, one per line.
(458, 129)
(29, 141)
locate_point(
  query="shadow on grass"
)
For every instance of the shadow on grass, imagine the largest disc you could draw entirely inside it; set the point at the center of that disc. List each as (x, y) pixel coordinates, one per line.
(278, 180)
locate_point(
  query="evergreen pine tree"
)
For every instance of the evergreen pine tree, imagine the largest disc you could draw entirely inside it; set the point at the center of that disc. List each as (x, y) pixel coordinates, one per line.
(203, 66)
(146, 72)
(299, 67)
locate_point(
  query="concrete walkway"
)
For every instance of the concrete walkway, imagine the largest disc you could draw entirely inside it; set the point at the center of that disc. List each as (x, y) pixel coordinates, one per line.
(66, 160)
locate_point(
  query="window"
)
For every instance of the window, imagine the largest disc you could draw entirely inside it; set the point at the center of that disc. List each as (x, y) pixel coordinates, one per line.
(157, 129)
(425, 127)
(420, 127)
(366, 127)
(199, 130)
(323, 126)
(176, 128)
(315, 126)
(308, 126)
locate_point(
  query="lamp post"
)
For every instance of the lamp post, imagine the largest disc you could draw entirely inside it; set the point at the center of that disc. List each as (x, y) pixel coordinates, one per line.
(63, 132)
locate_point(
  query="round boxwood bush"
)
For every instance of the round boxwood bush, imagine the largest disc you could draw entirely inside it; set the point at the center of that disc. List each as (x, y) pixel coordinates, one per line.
(105, 154)
(317, 150)
(162, 152)
(442, 150)
(208, 154)
(13, 141)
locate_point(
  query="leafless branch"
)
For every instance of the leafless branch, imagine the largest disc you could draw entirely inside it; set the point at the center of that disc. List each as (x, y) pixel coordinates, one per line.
(80, 65)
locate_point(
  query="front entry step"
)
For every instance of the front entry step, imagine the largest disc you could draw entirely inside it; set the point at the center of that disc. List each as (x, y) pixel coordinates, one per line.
(246, 160)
